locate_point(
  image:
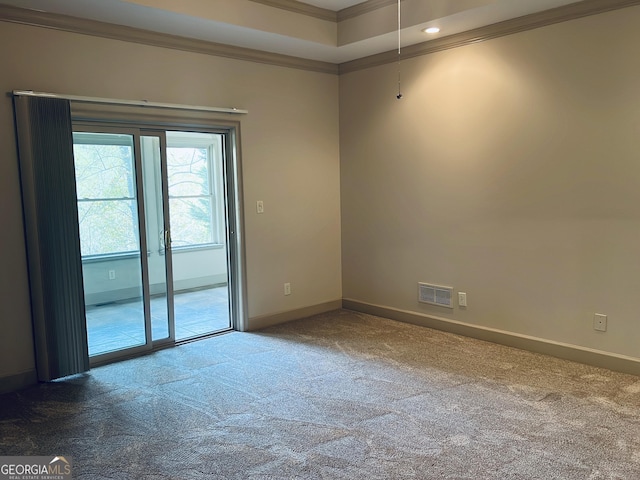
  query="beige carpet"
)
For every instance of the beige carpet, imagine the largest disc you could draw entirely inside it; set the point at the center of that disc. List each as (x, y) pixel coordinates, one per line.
(336, 396)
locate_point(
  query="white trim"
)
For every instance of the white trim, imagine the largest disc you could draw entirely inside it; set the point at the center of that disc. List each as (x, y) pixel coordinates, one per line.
(95, 28)
(118, 101)
(302, 9)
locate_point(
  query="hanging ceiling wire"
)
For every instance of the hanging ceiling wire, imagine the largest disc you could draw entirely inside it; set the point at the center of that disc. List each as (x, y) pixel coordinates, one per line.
(399, 96)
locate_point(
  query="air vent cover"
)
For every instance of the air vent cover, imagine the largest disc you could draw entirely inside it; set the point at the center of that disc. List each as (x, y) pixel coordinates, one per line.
(435, 295)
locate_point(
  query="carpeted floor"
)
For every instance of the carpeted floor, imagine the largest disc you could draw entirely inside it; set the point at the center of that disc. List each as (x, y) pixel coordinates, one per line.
(336, 396)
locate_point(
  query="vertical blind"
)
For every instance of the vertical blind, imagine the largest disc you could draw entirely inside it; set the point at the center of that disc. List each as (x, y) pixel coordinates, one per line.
(52, 235)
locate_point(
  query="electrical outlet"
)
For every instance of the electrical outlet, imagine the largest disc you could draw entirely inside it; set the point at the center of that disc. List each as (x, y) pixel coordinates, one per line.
(600, 322)
(287, 289)
(112, 274)
(462, 299)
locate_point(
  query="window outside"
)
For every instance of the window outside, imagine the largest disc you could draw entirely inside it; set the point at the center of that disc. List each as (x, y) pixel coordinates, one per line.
(106, 188)
(190, 196)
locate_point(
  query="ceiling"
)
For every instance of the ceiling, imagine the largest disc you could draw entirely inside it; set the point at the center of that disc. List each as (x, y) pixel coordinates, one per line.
(335, 5)
(260, 25)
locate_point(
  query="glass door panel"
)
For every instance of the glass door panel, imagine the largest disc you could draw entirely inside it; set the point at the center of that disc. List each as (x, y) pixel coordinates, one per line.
(195, 180)
(110, 241)
(159, 255)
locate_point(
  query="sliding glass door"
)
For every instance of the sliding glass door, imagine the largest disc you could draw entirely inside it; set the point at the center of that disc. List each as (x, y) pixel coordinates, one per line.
(153, 233)
(110, 242)
(195, 181)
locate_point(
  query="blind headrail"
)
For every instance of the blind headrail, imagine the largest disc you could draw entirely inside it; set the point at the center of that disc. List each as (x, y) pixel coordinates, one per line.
(139, 103)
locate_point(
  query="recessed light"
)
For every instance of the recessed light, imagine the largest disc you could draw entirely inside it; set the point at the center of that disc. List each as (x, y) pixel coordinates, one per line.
(431, 30)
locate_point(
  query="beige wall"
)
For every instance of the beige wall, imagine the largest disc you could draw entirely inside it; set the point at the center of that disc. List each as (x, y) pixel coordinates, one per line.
(290, 154)
(510, 171)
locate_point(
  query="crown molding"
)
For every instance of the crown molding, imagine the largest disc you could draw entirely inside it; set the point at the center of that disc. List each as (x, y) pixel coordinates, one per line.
(326, 14)
(301, 8)
(83, 26)
(135, 35)
(532, 21)
(362, 8)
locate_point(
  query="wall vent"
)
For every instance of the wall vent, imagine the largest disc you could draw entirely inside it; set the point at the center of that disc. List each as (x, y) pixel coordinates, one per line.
(435, 295)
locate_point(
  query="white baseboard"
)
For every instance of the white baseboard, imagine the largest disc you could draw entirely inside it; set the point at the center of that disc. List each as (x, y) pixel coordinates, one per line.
(263, 321)
(597, 358)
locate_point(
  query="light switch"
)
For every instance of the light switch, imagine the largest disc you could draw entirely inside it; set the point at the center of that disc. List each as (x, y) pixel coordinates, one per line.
(462, 299)
(260, 206)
